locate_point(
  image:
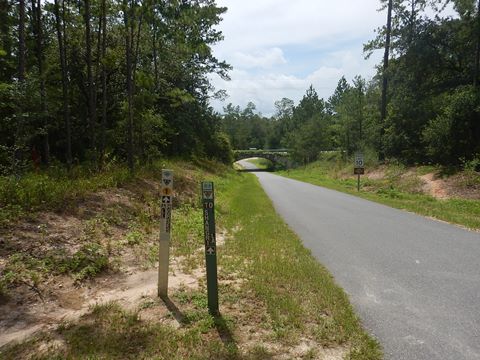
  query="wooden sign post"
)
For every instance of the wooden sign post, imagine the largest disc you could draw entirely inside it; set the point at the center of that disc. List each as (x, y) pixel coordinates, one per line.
(166, 197)
(210, 245)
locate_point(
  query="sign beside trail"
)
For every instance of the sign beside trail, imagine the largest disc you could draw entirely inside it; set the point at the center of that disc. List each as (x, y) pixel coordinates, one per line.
(208, 206)
(166, 193)
(359, 163)
(359, 167)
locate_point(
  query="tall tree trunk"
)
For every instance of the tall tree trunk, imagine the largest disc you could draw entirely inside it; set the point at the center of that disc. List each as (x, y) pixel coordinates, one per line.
(477, 53)
(136, 44)
(413, 15)
(21, 41)
(99, 49)
(97, 73)
(17, 152)
(6, 39)
(92, 111)
(155, 56)
(63, 65)
(383, 111)
(104, 84)
(38, 31)
(128, 57)
(360, 116)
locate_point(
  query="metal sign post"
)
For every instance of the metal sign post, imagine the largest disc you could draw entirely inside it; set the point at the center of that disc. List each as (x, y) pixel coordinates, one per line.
(359, 167)
(166, 192)
(210, 245)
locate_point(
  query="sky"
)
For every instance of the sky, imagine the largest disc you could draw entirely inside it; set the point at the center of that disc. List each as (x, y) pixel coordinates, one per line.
(278, 48)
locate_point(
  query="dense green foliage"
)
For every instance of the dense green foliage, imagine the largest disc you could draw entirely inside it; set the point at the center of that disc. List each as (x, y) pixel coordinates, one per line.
(433, 97)
(101, 80)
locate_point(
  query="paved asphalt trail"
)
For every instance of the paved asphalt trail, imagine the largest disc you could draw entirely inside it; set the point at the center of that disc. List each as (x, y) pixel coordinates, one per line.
(415, 282)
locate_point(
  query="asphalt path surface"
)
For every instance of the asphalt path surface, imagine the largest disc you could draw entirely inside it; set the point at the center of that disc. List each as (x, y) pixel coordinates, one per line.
(247, 165)
(415, 282)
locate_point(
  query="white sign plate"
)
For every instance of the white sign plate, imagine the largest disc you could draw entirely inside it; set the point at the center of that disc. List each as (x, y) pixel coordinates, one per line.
(167, 179)
(207, 190)
(207, 185)
(359, 160)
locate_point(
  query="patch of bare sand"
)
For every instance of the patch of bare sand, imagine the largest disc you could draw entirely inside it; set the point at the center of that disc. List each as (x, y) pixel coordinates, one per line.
(460, 185)
(376, 174)
(62, 300)
(58, 298)
(464, 185)
(20, 322)
(434, 186)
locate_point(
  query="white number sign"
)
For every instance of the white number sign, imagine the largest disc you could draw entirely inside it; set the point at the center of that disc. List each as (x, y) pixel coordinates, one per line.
(359, 160)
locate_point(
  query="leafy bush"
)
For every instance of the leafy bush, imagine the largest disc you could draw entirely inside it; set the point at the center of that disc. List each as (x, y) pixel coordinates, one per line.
(134, 237)
(472, 165)
(219, 148)
(22, 269)
(453, 135)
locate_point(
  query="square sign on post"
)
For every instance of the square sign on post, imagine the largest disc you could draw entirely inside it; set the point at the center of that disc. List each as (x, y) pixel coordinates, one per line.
(359, 167)
(166, 193)
(359, 164)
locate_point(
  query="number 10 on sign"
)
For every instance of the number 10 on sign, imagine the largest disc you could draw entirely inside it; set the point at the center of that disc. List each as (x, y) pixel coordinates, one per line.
(359, 168)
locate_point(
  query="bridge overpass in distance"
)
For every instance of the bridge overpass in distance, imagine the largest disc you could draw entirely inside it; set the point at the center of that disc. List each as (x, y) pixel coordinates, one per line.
(276, 156)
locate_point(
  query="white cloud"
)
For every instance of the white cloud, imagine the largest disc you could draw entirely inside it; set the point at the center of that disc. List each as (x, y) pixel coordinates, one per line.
(279, 47)
(254, 24)
(259, 59)
(264, 89)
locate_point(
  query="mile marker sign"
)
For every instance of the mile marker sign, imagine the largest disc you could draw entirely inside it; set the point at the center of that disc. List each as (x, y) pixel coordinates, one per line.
(166, 193)
(359, 166)
(208, 201)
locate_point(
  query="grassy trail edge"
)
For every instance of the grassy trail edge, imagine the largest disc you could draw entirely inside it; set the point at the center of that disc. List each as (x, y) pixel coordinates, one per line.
(300, 294)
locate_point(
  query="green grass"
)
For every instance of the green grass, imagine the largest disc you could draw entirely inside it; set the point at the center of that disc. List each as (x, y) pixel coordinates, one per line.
(300, 295)
(110, 332)
(57, 188)
(54, 189)
(87, 262)
(395, 190)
